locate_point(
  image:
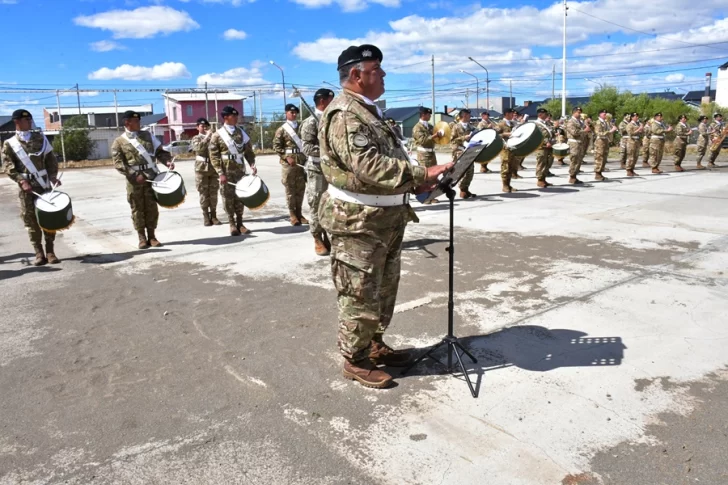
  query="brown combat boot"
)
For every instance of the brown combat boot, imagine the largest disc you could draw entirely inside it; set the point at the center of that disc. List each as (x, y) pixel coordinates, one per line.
(50, 254)
(143, 243)
(623, 165)
(366, 374)
(383, 354)
(484, 168)
(542, 183)
(599, 177)
(302, 219)
(153, 239)
(206, 218)
(630, 173)
(294, 219)
(320, 247)
(241, 226)
(40, 258)
(712, 165)
(213, 218)
(561, 161)
(678, 168)
(700, 166)
(575, 181)
(516, 176)
(234, 231)
(656, 170)
(646, 165)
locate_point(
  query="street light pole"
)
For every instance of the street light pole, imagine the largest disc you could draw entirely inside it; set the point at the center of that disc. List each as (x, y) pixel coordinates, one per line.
(477, 89)
(601, 86)
(487, 83)
(283, 77)
(332, 85)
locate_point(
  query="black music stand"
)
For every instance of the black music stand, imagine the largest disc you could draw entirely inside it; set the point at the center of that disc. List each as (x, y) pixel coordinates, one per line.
(446, 186)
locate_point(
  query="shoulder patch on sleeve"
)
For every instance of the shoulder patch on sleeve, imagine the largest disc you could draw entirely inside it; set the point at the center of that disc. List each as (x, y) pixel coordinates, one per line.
(360, 140)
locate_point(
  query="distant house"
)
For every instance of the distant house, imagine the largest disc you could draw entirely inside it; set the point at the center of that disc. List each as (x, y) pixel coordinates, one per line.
(152, 124)
(696, 97)
(183, 109)
(97, 116)
(476, 112)
(406, 118)
(7, 127)
(721, 94)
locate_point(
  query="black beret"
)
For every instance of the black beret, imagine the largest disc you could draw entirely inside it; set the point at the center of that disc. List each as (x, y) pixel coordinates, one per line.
(717, 114)
(485, 112)
(322, 93)
(228, 110)
(465, 110)
(541, 110)
(576, 109)
(390, 120)
(202, 121)
(681, 117)
(509, 110)
(658, 114)
(131, 115)
(602, 111)
(425, 110)
(632, 115)
(701, 118)
(353, 54)
(21, 113)
(292, 107)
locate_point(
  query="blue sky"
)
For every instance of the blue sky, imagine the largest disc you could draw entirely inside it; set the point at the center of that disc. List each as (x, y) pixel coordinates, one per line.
(122, 44)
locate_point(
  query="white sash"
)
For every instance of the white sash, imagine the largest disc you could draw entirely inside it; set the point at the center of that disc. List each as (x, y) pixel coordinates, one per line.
(239, 159)
(551, 134)
(292, 133)
(40, 176)
(151, 164)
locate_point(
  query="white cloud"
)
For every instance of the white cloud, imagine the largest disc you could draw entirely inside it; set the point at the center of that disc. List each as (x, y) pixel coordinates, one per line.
(239, 76)
(675, 78)
(8, 2)
(127, 72)
(89, 94)
(106, 46)
(347, 5)
(234, 3)
(140, 23)
(233, 34)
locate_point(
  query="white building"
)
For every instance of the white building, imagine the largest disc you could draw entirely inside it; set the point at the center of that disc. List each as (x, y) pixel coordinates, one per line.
(721, 86)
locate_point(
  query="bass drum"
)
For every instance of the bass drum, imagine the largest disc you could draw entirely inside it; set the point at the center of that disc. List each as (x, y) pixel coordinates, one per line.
(54, 211)
(169, 189)
(252, 192)
(492, 142)
(525, 139)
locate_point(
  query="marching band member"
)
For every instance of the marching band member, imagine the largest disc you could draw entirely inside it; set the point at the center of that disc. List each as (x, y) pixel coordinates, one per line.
(657, 141)
(682, 133)
(645, 152)
(602, 130)
(205, 174)
(461, 134)
(634, 132)
(715, 130)
(504, 129)
(575, 131)
(624, 138)
(485, 123)
(424, 138)
(703, 140)
(289, 147)
(544, 155)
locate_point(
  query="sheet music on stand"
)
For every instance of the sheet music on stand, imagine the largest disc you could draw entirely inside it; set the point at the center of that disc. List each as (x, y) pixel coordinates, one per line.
(450, 179)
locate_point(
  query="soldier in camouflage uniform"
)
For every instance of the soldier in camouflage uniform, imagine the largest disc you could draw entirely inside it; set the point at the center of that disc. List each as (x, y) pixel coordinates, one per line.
(38, 176)
(602, 130)
(544, 154)
(233, 158)
(138, 168)
(317, 183)
(504, 128)
(645, 151)
(634, 136)
(575, 131)
(703, 140)
(424, 138)
(205, 174)
(560, 136)
(365, 212)
(657, 142)
(623, 141)
(287, 144)
(682, 134)
(715, 131)
(485, 123)
(461, 134)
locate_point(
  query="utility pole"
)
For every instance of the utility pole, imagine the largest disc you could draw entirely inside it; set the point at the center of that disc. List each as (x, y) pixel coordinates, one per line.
(78, 97)
(563, 68)
(207, 109)
(255, 108)
(510, 83)
(433, 84)
(116, 111)
(467, 97)
(553, 82)
(60, 122)
(261, 117)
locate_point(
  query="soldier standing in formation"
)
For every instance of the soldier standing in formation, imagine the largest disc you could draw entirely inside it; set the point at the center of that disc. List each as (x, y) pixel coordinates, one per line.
(634, 136)
(423, 138)
(461, 134)
(232, 158)
(560, 137)
(545, 154)
(135, 155)
(365, 212)
(602, 130)
(289, 147)
(575, 131)
(682, 133)
(647, 133)
(485, 123)
(29, 162)
(504, 129)
(205, 175)
(623, 141)
(395, 128)
(657, 141)
(715, 130)
(703, 140)
(317, 183)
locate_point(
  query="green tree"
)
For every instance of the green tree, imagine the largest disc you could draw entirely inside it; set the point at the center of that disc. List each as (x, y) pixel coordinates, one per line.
(76, 140)
(269, 129)
(553, 106)
(609, 98)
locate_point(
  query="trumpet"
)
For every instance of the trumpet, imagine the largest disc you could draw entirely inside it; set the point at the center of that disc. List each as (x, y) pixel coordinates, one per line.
(718, 141)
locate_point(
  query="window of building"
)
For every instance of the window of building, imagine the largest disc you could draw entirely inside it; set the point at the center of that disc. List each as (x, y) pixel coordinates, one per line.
(174, 113)
(189, 110)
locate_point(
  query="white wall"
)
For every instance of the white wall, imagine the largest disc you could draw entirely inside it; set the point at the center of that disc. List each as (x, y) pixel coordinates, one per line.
(721, 88)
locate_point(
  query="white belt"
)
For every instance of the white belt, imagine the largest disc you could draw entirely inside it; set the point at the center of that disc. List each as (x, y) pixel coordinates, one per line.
(314, 159)
(425, 150)
(139, 168)
(656, 137)
(41, 173)
(635, 137)
(291, 150)
(366, 199)
(571, 140)
(202, 159)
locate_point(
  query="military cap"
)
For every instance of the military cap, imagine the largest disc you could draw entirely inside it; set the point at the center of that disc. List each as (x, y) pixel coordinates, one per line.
(292, 107)
(202, 121)
(701, 118)
(21, 113)
(602, 111)
(658, 113)
(322, 93)
(465, 110)
(424, 110)
(541, 110)
(509, 110)
(485, 113)
(576, 109)
(632, 115)
(354, 54)
(228, 110)
(681, 117)
(131, 115)
(390, 120)
(717, 114)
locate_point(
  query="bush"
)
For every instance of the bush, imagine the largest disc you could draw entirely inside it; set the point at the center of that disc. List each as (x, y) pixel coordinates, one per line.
(76, 141)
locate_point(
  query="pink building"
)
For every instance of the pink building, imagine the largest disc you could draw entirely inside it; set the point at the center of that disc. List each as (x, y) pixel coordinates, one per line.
(183, 109)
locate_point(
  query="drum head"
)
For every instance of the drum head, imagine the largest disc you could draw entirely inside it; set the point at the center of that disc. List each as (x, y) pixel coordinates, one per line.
(167, 182)
(484, 137)
(248, 185)
(53, 202)
(521, 134)
(561, 146)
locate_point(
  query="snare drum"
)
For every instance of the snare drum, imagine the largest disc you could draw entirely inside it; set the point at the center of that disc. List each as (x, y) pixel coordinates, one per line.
(560, 149)
(169, 189)
(252, 192)
(491, 140)
(54, 211)
(525, 139)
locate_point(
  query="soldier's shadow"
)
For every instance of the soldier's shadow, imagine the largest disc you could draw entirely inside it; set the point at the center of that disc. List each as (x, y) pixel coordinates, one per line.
(7, 274)
(110, 258)
(22, 257)
(285, 229)
(212, 241)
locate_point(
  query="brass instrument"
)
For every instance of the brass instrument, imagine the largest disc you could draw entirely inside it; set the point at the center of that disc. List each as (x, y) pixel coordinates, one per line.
(719, 140)
(445, 139)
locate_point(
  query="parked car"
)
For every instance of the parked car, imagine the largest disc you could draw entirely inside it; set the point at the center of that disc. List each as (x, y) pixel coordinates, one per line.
(178, 147)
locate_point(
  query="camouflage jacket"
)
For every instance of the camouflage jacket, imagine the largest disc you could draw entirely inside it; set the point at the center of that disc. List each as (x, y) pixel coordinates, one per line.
(682, 131)
(632, 132)
(284, 146)
(422, 135)
(601, 129)
(130, 163)
(715, 128)
(703, 135)
(460, 134)
(201, 146)
(547, 132)
(658, 128)
(574, 129)
(221, 158)
(623, 127)
(648, 128)
(42, 159)
(309, 137)
(485, 124)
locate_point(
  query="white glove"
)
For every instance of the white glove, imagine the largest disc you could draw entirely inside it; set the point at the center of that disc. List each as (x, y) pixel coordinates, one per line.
(441, 133)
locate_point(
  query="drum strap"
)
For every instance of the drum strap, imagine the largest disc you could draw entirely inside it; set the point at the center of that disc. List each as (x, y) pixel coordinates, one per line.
(39, 176)
(292, 133)
(239, 159)
(151, 165)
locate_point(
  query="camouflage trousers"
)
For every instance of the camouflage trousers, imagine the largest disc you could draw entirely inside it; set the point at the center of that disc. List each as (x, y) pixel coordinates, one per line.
(645, 151)
(468, 177)
(27, 214)
(657, 146)
(316, 187)
(294, 181)
(701, 151)
(623, 151)
(516, 163)
(633, 153)
(713, 155)
(544, 160)
(427, 159)
(233, 206)
(601, 153)
(366, 270)
(144, 209)
(678, 153)
(507, 163)
(207, 184)
(575, 158)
